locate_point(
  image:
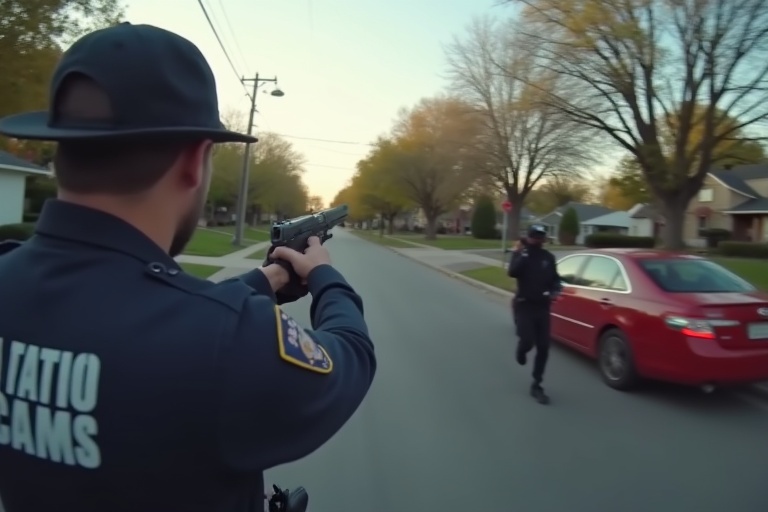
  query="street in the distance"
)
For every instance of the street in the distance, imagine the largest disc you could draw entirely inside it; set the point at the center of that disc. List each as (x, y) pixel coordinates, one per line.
(449, 425)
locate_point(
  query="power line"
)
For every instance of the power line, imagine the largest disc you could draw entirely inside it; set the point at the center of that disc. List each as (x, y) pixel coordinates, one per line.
(327, 140)
(238, 48)
(223, 48)
(335, 150)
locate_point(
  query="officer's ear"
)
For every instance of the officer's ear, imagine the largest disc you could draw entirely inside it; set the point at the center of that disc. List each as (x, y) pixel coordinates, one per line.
(193, 165)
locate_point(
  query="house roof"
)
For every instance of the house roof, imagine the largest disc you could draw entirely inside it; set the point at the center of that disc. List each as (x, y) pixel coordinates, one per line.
(750, 171)
(613, 219)
(10, 162)
(585, 212)
(734, 181)
(757, 205)
(644, 212)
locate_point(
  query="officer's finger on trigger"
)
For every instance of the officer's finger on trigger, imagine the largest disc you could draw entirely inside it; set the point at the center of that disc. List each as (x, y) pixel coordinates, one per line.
(313, 240)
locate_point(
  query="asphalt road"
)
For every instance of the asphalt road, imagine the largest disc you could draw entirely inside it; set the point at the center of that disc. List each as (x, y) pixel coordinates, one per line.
(449, 426)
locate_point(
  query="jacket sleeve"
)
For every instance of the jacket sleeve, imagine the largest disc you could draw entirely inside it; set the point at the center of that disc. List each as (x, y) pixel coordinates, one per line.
(256, 280)
(517, 264)
(284, 390)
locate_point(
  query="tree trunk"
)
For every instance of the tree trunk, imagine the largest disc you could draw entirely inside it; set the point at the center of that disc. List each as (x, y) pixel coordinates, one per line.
(513, 226)
(391, 224)
(674, 221)
(430, 233)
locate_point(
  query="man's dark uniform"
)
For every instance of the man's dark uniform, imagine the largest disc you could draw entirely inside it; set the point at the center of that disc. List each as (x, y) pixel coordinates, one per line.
(129, 385)
(538, 283)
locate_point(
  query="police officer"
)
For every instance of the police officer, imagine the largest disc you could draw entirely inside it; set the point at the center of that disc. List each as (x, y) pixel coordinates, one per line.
(538, 284)
(126, 384)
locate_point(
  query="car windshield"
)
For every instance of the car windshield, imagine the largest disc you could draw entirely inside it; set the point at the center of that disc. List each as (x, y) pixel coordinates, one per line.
(694, 276)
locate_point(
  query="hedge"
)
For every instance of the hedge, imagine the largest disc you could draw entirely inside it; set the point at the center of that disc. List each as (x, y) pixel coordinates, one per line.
(18, 232)
(743, 249)
(606, 240)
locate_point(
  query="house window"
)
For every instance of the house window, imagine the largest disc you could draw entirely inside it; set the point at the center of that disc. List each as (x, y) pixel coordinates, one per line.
(702, 222)
(705, 195)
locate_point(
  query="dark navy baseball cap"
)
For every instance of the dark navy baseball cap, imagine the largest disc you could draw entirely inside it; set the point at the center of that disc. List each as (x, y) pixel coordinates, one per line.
(537, 231)
(158, 84)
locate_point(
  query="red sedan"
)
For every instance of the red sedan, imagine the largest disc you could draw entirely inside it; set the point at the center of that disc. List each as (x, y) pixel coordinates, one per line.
(661, 315)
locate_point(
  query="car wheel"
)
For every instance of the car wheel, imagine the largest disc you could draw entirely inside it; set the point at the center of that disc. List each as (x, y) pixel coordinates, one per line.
(617, 365)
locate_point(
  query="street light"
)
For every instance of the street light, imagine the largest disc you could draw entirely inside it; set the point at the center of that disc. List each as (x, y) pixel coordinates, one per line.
(242, 196)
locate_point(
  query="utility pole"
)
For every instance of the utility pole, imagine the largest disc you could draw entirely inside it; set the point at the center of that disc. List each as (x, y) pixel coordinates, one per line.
(242, 196)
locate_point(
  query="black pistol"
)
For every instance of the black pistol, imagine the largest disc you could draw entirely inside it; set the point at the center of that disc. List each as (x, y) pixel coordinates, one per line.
(294, 234)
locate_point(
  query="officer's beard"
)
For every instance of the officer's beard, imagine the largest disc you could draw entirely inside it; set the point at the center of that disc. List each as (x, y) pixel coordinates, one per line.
(188, 223)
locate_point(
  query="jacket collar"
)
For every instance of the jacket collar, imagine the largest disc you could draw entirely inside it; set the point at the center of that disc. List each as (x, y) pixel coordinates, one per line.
(88, 226)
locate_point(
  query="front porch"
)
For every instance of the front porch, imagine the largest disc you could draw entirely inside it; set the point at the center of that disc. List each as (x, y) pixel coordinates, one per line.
(750, 227)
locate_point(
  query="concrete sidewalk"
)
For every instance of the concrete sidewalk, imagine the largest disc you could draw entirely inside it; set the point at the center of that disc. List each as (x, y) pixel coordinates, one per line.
(232, 264)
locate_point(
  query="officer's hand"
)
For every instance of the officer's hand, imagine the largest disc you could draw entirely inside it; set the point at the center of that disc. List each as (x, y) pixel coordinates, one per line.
(276, 275)
(314, 256)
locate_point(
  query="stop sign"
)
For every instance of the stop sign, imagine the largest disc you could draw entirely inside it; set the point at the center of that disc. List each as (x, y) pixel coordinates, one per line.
(506, 206)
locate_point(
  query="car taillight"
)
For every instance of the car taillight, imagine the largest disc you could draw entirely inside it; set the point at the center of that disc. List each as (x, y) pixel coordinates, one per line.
(693, 327)
(698, 327)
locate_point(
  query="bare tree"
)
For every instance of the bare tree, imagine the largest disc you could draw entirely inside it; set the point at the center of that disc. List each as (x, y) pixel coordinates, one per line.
(526, 139)
(647, 72)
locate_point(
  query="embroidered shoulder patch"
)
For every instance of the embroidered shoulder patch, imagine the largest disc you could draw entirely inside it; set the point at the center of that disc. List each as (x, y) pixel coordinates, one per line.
(297, 346)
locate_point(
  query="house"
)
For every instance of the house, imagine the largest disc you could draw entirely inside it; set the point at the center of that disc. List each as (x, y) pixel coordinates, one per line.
(586, 213)
(645, 221)
(13, 178)
(734, 199)
(615, 222)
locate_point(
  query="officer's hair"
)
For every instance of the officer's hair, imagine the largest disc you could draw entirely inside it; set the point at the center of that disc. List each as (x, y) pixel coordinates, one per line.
(122, 167)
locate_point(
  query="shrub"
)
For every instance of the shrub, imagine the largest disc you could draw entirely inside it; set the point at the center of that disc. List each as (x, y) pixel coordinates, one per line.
(19, 232)
(31, 217)
(569, 227)
(606, 240)
(743, 249)
(484, 219)
(715, 236)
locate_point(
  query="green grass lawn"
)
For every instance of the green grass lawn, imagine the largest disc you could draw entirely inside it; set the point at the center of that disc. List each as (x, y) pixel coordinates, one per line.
(211, 243)
(259, 255)
(373, 236)
(452, 242)
(201, 271)
(250, 234)
(494, 276)
(754, 271)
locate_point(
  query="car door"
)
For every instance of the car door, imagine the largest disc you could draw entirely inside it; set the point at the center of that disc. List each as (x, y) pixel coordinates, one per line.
(563, 311)
(597, 296)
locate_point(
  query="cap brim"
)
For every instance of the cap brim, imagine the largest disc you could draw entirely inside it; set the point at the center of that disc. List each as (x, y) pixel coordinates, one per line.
(34, 126)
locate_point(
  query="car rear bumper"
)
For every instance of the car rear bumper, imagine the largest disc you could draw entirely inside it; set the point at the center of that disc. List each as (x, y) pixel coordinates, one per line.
(705, 362)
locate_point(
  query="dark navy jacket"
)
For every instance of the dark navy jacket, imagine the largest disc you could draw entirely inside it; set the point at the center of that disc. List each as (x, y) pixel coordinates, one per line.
(128, 385)
(535, 269)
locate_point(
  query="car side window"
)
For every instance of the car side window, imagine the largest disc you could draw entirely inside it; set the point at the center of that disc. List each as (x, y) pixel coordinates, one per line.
(619, 283)
(569, 267)
(600, 272)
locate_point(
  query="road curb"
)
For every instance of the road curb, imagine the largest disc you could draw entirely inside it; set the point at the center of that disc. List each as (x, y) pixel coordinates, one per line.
(450, 273)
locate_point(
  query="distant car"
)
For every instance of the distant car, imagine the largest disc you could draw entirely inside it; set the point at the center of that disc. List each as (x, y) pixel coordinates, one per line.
(660, 315)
